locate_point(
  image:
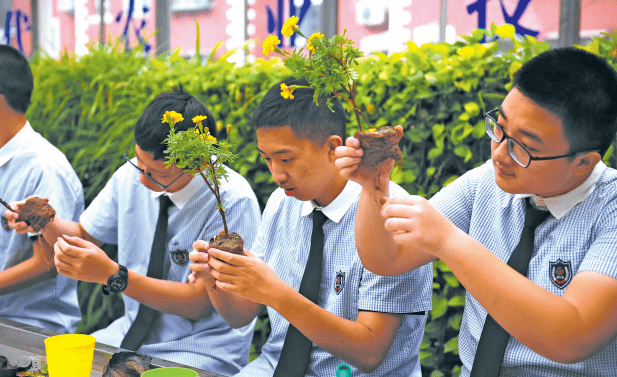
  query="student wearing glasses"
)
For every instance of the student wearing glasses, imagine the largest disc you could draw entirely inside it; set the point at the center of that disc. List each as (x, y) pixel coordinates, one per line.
(183, 327)
(540, 296)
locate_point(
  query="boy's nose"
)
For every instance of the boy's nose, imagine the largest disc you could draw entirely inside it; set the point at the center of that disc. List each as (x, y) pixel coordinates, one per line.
(279, 175)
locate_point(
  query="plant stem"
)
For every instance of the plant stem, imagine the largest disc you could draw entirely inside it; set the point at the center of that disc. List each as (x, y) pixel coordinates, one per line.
(217, 195)
(7, 206)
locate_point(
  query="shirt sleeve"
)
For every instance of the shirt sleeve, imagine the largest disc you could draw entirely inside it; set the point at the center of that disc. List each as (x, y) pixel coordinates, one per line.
(100, 219)
(58, 182)
(268, 219)
(244, 217)
(455, 200)
(406, 293)
(601, 256)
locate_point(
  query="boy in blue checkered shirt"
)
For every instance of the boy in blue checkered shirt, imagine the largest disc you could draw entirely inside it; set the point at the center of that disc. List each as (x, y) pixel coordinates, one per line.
(373, 323)
(184, 328)
(548, 137)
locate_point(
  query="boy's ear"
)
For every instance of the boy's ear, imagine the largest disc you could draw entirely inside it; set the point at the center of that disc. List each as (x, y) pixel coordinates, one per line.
(586, 162)
(334, 141)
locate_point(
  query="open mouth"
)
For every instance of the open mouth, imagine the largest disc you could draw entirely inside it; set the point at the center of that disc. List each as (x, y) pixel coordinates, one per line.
(290, 191)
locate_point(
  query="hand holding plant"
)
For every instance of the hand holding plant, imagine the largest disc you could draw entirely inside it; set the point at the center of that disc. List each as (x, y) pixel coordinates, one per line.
(196, 151)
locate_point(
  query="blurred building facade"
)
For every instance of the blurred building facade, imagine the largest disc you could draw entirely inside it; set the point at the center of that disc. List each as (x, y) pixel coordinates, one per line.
(383, 25)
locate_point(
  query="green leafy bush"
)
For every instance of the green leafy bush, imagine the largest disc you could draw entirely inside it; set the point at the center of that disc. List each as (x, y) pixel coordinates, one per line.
(87, 106)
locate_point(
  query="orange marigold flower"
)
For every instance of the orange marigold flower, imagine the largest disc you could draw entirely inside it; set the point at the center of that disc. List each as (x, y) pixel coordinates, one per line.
(287, 91)
(309, 43)
(290, 26)
(172, 117)
(270, 43)
(199, 118)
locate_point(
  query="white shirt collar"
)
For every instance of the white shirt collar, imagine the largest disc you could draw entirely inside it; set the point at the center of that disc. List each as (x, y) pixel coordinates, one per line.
(560, 205)
(182, 196)
(339, 206)
(20, 140)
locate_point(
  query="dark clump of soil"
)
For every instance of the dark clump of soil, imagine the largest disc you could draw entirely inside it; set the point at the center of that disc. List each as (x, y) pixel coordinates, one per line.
(231, 243)
(128, 364)
(379, 146)
(37, 213)
(8, 370)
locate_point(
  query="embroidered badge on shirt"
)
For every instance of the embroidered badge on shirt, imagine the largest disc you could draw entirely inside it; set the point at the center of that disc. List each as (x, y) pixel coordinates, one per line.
(339, 284)
(560, 273)
(180, 257)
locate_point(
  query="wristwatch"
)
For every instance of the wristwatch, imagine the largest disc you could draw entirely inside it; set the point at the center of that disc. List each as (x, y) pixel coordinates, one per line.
(118, 282)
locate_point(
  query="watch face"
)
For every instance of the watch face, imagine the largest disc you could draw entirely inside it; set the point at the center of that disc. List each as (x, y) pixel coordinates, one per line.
(117, 285)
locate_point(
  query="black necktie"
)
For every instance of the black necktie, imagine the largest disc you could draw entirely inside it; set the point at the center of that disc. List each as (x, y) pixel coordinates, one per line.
(297, 347)
(493, 341)
(140, 327)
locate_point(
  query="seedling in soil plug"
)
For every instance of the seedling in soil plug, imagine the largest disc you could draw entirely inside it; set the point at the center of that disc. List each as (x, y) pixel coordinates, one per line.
(195, 151)
(327, 65)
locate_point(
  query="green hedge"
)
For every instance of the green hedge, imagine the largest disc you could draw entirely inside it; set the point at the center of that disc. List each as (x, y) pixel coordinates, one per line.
(88, 105)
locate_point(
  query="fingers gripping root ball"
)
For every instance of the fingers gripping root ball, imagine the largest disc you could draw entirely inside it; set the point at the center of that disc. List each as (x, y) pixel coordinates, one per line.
(37, 213)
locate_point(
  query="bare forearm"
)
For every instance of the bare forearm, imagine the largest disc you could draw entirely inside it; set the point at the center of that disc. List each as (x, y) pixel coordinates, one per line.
(531, 314)
(39, 267)
(59, 227)
(376, 247)
(348, 340)
(235, 310)
(188, 300)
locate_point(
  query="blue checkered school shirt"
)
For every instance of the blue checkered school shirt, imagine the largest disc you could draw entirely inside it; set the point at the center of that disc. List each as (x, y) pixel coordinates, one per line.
(284, 243)
(30, 165)
(125, 213)
(583, 239)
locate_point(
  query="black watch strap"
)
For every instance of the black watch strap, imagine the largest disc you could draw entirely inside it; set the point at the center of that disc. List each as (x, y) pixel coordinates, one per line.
(118, 282)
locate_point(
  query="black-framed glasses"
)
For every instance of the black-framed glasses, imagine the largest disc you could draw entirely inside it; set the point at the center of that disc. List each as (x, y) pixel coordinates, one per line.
(518, 152)
(163, 186)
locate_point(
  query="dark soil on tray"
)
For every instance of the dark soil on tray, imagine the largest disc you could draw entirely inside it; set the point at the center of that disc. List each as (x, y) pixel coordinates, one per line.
(231, 243)
(379, 146)
(128, 364)
(37, 213)
(8, 370)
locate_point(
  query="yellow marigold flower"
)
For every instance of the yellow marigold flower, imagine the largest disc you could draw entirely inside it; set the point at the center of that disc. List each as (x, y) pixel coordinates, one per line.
(229, 128)
(287, 91)
(309, 43)
(270, 43)
(372, 129)
(199, 118)
(290, 26)
(210, 137)
(172, 116)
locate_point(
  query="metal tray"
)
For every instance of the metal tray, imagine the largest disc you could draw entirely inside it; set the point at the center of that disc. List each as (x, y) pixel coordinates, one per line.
(21, 344)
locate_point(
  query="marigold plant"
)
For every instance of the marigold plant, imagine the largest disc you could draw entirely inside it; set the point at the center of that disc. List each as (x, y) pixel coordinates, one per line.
(196, 151)
(327, 63)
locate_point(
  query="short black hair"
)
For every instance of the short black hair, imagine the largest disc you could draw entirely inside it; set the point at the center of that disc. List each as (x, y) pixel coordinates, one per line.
(306, 119)
(580, 88)
(16, 81)
(150, 131)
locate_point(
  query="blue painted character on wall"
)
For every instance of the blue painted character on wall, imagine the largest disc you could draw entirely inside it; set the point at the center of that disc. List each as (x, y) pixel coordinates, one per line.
(480, 7)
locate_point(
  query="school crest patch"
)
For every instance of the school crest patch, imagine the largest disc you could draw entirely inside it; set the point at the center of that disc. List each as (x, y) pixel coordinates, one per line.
(339, 283)
(560, 273)
(180, 257)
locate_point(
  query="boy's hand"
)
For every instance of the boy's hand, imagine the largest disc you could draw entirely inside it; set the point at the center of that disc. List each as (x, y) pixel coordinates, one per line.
(413, 221)
(245, 275)
(349, 158)
(20, 227)
(199, 261)
(82, 260)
